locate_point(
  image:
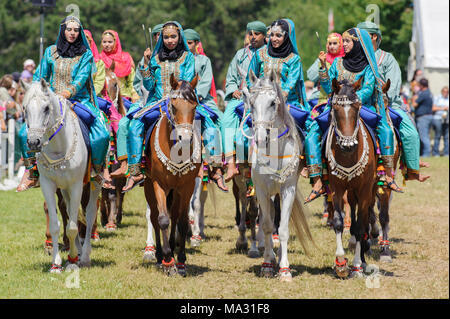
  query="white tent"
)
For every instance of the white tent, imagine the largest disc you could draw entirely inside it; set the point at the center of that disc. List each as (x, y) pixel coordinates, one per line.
(429, 46)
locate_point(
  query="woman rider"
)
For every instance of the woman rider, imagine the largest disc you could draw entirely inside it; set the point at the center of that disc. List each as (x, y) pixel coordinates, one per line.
(359, 61)
(69, 66)
(171, 56)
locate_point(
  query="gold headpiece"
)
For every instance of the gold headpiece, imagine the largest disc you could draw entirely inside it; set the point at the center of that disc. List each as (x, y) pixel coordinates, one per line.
(170, 26)
(70, 19)
(347, 34)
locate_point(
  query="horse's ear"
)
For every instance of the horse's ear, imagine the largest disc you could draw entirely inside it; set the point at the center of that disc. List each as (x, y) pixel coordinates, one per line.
(25, 84)
(173, 82)
(273, 76)
(252, 77)
(194, 81)
(246, 97)
(112, 66)
(386, 86)
(335, 86)
(357, 85)
(44, 85)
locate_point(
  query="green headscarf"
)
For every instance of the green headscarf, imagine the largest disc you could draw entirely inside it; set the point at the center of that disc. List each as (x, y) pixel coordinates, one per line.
(192, 35)
(257, 26)
(372, 28)
(157, 28)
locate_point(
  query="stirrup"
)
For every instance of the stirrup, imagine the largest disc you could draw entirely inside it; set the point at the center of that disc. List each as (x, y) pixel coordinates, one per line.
(134, 185)
(314, 195)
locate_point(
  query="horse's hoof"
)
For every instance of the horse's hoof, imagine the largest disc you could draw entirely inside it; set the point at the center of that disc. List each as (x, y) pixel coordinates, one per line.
(254, 253)
(169, 268)
(111, 227)
(285, 274)
(85, 264)
(149, 254)
(48, 247)
(56, 269)
(341, 268)
(385, 259)
(357, 272)
(95, 237)
(195, 241)
(275, 239)
(181, 269)
(267, 270)
(241, 246)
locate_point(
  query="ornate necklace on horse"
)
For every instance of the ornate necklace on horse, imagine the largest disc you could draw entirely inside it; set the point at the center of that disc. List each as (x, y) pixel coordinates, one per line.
(336, 169)
(189, 164)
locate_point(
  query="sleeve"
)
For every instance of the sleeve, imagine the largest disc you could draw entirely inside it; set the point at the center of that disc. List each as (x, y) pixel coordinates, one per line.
(326, 77)
(148, 75)
(204, 85)
(366, 91)
(44, 69)
(83, 73)
(393, 72)
(293, 77)
(137, 82)
(187, 72)
(99, 78)
(312, 73)
(129, 84)
(232, 80)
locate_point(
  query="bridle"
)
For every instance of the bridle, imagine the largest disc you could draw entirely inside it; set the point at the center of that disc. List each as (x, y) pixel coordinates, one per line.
(341, 139)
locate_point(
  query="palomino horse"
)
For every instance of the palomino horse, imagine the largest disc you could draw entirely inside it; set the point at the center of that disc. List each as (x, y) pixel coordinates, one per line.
(275, 162)
(54, 132)
(169, 173)
(351, 160)
(112, 199)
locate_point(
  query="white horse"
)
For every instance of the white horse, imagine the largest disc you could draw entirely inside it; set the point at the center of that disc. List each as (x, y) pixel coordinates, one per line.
(54, 132)
(275, 172)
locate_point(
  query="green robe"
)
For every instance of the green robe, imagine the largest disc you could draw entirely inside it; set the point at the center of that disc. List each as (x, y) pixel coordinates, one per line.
(389, 69)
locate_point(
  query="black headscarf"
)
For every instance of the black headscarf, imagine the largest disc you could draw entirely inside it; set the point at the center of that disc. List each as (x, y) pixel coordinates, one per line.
(286, 47)
(171, 55)
(65, 48)
(355, 61)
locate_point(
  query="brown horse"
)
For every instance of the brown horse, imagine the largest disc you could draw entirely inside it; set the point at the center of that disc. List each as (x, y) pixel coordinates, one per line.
(112, 199)
(352, 161)
(385, 195)
(170, 183)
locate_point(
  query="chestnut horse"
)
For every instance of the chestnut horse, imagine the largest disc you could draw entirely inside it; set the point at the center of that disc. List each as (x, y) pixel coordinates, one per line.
(352, 160)
(170, 177)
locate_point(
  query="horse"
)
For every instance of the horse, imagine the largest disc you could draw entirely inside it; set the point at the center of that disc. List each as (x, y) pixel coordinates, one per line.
(352, 160)
(277, 172)
(169, 174)
(384, 196)
(54, 132)
(111, 204)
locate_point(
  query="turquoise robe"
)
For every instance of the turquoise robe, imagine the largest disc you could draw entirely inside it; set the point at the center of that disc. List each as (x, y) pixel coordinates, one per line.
(73, 74)
(234, 82)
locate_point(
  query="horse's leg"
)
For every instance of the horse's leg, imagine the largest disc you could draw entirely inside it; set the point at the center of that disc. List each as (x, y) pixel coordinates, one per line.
(241, 243)
(149, 254)
(267, 226)
(183, 200)
(252, 212)
(341, 266)
(104, 207)
(361, 232)
(384, 202)
(287, 198)
(111, 225)
(237, 216)
(201, 219)
(195, 207)
(64, 216)
(163, 222)
(91, 213)
(277, 211)
(347, 218)
(153, 210)
(49, 189)
(48, 246)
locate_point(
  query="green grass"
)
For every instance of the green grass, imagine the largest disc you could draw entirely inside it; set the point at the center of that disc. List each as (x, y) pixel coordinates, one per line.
(419, 235)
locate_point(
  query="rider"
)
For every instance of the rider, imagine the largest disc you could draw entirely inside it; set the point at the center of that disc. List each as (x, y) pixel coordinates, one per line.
(99, 75)
(335, 49)
(359, 61)
(123, 63)
(388, 68)
(171, 56)
(256, 31)
(68, 67)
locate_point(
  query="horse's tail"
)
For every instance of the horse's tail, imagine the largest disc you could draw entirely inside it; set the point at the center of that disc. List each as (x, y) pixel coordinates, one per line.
(301, 227)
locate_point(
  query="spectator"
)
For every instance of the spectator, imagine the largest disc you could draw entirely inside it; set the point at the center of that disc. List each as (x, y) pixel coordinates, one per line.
(440, 121)
(423, 104)
(28, 70)
(8, 88)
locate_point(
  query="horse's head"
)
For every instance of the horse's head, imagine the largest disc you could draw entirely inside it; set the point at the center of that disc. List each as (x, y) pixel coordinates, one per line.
(40, 112)
(183, 102)
(345, 111)
(265, 102)
(113, 88)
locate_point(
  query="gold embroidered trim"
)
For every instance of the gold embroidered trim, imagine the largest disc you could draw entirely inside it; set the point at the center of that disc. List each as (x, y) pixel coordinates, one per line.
(167, 68)
(344, 74)
(62, 75)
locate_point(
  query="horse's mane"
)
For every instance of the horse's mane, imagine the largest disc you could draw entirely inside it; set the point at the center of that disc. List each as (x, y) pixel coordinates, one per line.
(34, 91)
(347, 90)
(187, 92)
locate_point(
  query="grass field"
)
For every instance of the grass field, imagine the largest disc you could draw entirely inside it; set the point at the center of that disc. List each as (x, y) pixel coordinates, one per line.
(419, 235)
